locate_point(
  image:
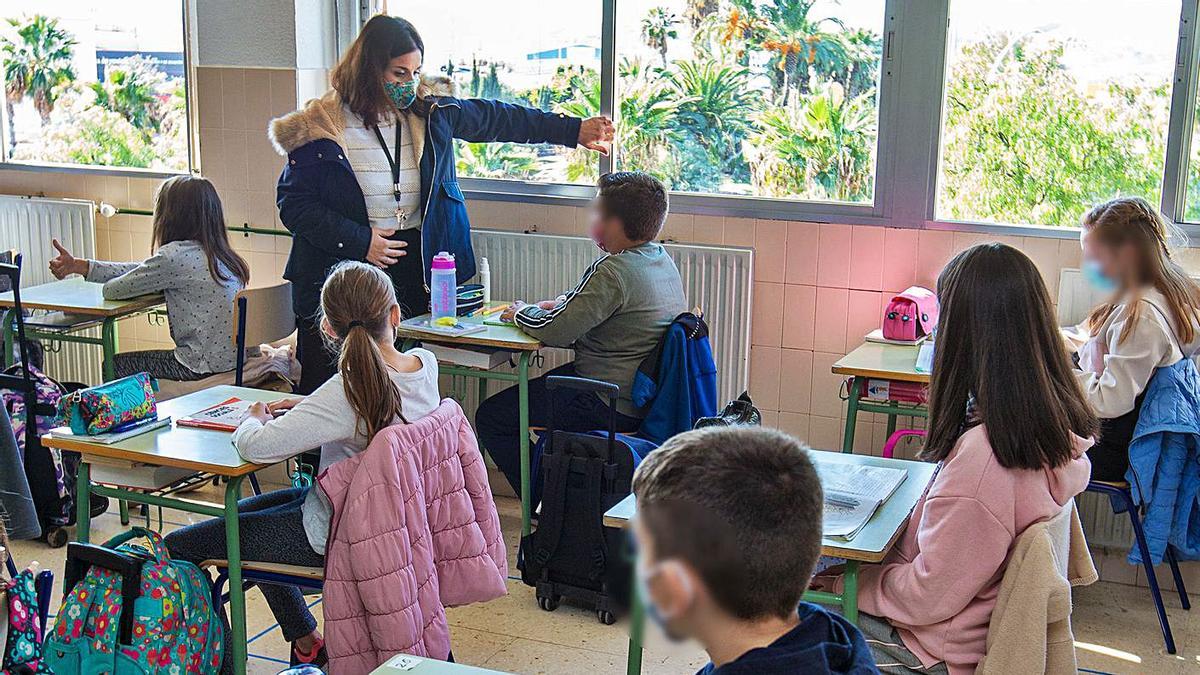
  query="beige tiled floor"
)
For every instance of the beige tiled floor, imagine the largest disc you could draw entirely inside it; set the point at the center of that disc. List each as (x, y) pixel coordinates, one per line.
(1115, 625)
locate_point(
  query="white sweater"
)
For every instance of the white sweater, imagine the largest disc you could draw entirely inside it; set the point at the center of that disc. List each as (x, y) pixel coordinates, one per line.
(374, 173)
(325, 418)
(1115, 373)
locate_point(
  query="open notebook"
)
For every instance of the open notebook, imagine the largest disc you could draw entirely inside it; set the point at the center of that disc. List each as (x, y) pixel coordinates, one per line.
(853, 493)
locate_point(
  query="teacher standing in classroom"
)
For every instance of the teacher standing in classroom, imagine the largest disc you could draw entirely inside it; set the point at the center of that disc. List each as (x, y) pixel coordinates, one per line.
(370, 173)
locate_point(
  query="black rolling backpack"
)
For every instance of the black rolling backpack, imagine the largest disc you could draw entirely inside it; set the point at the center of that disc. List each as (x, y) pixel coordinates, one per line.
(572, 554)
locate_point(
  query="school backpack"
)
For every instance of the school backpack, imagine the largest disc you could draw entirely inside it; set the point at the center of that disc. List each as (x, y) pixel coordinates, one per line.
(572, 553)
(911, 315)
(129, 609)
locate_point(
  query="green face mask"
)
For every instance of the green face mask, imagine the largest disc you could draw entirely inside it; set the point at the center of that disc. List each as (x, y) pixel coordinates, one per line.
(402, 93)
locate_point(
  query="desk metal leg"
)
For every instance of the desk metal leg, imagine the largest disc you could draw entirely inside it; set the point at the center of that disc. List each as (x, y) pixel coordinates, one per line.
(891, 419)
(108, 343)
(523, 420)
(850, 592)
(637, 627)
(852, 414)
(83, 494)
(237, 594)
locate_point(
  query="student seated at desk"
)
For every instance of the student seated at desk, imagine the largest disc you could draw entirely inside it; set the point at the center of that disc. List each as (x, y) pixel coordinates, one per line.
(728, 529)
(193, 266)
(613, 319)
(1151, 322)
(1011, 427)
(375, 387)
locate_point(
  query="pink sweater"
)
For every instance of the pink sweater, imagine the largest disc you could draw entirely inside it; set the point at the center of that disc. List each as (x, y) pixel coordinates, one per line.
(939, 584)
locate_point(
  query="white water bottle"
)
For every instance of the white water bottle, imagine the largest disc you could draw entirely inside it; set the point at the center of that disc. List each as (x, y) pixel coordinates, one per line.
(485, 280)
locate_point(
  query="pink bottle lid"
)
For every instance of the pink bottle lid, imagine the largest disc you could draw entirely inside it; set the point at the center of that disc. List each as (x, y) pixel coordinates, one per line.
(443, 261)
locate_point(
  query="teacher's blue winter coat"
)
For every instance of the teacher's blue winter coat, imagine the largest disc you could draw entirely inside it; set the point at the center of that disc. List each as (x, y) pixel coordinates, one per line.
(322, 205)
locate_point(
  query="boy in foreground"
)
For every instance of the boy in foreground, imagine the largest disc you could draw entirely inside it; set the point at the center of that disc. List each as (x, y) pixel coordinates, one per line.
(728, 530)
(613, 319)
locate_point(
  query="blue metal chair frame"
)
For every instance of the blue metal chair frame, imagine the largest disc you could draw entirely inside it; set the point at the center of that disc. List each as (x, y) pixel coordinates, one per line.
(1122, 492)
(252, 577)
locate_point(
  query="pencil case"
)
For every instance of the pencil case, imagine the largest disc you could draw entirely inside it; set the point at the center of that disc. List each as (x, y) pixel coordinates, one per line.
(469, 298)
(110, 406)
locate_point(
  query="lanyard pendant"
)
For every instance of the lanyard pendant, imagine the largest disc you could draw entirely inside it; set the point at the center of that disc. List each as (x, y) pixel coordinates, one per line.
(401, 214)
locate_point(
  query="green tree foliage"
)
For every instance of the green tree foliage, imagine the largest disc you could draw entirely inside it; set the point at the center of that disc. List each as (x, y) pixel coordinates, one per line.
(495, 160)
(658, 29)
(131, 88)
(1024, 144)
(36, 63)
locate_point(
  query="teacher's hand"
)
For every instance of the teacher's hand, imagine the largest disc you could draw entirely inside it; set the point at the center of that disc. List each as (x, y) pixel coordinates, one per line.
(383, 251)
(596, 133)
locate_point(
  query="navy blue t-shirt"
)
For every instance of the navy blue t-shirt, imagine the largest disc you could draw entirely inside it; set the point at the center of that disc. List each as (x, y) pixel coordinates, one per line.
(824, 642)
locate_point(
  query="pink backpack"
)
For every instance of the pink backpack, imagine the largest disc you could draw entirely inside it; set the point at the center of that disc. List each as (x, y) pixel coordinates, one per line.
(911, 315)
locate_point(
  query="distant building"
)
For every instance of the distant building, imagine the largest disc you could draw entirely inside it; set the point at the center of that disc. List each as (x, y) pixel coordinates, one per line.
(169, 63)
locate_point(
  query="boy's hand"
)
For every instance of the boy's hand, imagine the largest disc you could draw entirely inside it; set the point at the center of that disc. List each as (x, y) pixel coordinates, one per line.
(548, 304)
(259, 411)
(510, 314)
(66, 264)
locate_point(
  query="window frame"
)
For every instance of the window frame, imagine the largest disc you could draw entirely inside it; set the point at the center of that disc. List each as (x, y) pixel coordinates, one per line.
(193, 156)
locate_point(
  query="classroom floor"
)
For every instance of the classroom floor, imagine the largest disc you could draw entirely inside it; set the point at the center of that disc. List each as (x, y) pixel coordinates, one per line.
(1115, 626)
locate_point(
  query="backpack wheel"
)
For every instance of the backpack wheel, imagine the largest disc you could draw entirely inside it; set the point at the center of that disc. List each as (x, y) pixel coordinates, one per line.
(606, 617)
(56, 537)
(548, 603)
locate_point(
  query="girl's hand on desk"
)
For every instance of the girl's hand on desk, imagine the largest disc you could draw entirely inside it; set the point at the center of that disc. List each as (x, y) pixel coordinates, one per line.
(282, 405)
(259, 411)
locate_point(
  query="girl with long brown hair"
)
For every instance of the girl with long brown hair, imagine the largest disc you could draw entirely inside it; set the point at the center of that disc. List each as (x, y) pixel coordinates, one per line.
(1151, 320)
(193, 266)
(1010, 427)
(376, 386)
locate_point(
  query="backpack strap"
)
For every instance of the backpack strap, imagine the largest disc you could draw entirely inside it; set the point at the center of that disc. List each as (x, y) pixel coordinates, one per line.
(594, 475)
(550, 524)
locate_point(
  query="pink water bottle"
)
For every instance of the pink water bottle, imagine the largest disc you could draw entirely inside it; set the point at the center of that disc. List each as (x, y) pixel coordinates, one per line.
(443, 289)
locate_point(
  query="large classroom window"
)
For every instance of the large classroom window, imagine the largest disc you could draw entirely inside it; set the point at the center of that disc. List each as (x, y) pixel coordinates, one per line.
(1050, 107)
(98, 83)
(910, 113)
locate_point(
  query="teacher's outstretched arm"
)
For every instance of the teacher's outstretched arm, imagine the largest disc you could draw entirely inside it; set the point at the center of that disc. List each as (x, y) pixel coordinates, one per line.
(485, 121)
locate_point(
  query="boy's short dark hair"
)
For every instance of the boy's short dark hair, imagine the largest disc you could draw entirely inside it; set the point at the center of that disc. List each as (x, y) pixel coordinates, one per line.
(637, 199)
(741, 505)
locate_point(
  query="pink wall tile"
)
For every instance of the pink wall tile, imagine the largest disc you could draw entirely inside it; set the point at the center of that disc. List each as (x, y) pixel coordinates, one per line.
(739, 232)
(826, 386)
(863, 315)
(708, 229)
(833, 263)
(830, 329)
(794, 424)
(678, 227)
(236, 170)
(803, 242)
(866, 257)
(795, 381)
(1069, 254)
(770, 419)
(233, 98)
(824, 433)
(764, 376)
(934, 250)
(1044, 253)
(208, 98)
(766, 317)
(560, 220)
(770, 250)
(258, 101)
(965, 240)
(864, 439)
(899, 258)
(799, 316)
(283, 92)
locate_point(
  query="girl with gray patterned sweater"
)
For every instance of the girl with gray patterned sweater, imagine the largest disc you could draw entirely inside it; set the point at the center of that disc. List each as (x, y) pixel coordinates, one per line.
(195, 269)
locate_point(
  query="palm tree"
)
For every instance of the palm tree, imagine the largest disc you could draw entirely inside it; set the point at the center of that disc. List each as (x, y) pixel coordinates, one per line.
(37, 62)
(131, 89)
(718, 102)
(658, 29)
(699, 10)
(495, 160)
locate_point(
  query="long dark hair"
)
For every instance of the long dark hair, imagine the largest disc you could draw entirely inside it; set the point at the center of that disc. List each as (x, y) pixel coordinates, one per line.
(998, 342)
(356, 302)
(1132, 220)
(187, 208)
(358, 76)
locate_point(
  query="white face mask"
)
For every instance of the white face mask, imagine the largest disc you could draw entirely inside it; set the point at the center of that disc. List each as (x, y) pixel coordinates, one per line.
(656, 615)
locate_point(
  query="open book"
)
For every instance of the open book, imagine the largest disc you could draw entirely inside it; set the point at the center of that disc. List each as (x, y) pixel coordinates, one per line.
(853, 493)
(224, 416)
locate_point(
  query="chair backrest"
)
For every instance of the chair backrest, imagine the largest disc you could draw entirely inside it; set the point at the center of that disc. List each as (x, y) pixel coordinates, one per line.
(7, 257)
(260, 315)
(10, 275)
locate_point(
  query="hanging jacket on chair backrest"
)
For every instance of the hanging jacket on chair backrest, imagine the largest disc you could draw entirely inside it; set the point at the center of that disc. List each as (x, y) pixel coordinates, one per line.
(677, 381)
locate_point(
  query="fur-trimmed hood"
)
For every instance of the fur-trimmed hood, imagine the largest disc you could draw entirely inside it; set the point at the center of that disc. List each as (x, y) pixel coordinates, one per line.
(324, 118)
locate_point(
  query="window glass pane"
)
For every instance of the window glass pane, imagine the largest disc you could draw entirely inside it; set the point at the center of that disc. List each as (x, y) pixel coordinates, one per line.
(540, 53)
(96, 83)
(1051, 107)
(768, 98)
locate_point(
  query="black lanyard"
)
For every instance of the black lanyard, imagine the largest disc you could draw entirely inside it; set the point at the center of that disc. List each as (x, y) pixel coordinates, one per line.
(393, 162)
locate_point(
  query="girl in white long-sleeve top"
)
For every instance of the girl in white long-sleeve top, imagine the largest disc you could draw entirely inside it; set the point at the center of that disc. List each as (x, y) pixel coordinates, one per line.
(196, 270)
(1152, 320)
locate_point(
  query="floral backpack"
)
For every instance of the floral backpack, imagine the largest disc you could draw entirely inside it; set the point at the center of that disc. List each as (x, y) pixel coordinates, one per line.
(129, 609)
(23, 649)
(49, 393)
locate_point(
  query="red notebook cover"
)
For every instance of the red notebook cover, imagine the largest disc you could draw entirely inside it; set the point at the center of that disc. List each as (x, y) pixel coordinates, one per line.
(224, 416)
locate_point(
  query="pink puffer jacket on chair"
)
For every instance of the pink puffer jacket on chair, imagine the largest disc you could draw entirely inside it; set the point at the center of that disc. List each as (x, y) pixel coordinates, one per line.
(414, 529)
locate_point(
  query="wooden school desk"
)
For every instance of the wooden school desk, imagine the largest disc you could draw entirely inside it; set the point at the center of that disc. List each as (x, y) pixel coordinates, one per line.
(509, 339)
(83, 299)
(878, 365)
(184, 448)
(870, 545)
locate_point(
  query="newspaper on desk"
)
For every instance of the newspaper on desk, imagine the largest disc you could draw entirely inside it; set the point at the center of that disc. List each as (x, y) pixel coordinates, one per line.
(853, 493)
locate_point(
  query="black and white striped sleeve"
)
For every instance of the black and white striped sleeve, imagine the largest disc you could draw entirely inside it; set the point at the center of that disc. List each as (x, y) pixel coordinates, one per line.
(596, 297)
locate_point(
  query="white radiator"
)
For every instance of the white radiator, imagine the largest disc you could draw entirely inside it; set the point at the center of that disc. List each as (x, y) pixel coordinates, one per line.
(715, 278)
(27, 224)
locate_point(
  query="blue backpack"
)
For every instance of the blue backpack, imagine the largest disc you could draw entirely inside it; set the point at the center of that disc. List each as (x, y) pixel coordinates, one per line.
(130, 610)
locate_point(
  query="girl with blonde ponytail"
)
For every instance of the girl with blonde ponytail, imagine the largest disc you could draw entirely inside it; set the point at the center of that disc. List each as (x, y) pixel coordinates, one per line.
(1150, 321)
(376, 386)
